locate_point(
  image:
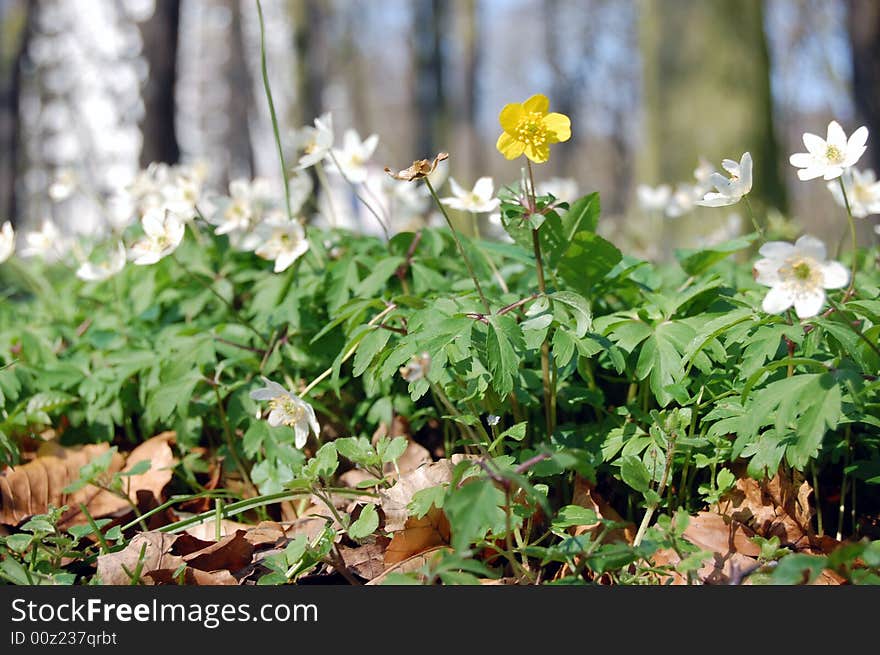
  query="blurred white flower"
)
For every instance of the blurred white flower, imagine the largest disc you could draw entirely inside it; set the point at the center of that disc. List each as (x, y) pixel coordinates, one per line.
(478, 200)
(493, 420)
(564, 189)
(351, 160)
(830, 156)
(731, 229)
(798, 275)
(283, 241)
(106, 268)
(7, 241)
(163, 232)
(47, 243)
(417, 368)
(240, 212)
(286, 408)
(683, 200)
(703, 174)
(63, 186)
(862, 191)
(653, 199)
(730, 190)
(312, 143)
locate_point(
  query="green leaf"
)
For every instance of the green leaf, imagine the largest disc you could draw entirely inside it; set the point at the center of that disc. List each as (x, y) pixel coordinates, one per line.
(503, 362)
(697, 262)
(391, 449)
(376, 280)
(797, 569)
(366, 523)
(424, 499)
(579, 308)
(370, 346)
(474, 510)
(574, 515)
(635, 474)
(19, 543)
(588, 259)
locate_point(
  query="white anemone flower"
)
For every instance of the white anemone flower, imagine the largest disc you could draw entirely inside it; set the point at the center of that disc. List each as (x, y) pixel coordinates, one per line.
(829, 157)
(653, 199)
(7, 241)
(862, 191)
(313, 142)
(104, 269)
(351, 160)
(478, 200)
(283, 241)
(163, 232)
(798, 274)
(730, 191)
(683, 200)
(286, 408)
(47, 243)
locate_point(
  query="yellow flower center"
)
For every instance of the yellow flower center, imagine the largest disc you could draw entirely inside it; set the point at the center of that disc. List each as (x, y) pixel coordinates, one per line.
(802, 272)
(531, 130)
(292, 411)
(833, 154)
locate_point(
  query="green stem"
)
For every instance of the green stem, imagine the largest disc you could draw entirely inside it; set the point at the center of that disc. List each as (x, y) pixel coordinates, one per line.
(649, 513)
(382, 223)
(753, 218)
(820, 528)
(461, 251)
(854, 240)
(272, 114)
(230, 442)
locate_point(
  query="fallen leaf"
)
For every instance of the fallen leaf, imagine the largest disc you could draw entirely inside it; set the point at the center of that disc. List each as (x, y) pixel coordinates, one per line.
(413, 563)
(232, 552)
(368, 560)
(29, 489)
(150, 550)
(208, 529)
(585, 495)
(191, 576)
(394, 501)
(417, 535)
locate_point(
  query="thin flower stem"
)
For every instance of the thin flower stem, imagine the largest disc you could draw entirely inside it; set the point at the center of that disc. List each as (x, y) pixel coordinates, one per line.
(854, 240)
(230, 443)
(820, 527)
(753, 218)
(458, 243)
(385, 229)
(272, 114)
(548, 386)
(841, 510)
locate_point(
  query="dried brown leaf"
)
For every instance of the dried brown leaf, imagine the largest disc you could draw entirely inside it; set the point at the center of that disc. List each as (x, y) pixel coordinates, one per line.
(413, 563)
(585, 495)
(150, 550)
(231, 553)
(418, 535)
(191, 576)
(394, 501)
(29, 489)
(367, 561)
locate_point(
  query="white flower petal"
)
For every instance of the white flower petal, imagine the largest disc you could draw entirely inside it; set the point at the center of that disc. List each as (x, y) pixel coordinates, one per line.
(811, 247)
(483, 188)
(836, 136)
(776, 250)
(816, 145)
(767, 272)
(809, 304)
(834, 275)
(801, 160)
(301, 432)
(777, 300)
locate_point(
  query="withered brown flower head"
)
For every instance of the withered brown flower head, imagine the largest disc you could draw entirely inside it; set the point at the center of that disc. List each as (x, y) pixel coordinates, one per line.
(419, 169)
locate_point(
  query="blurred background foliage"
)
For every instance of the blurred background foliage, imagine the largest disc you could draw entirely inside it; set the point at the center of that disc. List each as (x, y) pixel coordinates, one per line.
(100, 88)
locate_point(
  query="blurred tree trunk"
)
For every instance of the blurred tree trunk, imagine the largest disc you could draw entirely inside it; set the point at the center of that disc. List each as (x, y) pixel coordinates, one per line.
(241, 101)
(566, 83)
(429, 25)
(707, 91)
(472, 55)
(160, 34)
(308, 20)
(18, 20)
(864, 34)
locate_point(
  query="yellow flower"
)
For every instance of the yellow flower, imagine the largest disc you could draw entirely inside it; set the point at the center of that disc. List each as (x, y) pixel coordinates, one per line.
(529, 129)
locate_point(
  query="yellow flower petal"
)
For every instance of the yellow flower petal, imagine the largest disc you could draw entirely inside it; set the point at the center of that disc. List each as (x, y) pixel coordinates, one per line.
(538, 154)
(508, 146)
(538, 102)
(510, 116)
(559, 125)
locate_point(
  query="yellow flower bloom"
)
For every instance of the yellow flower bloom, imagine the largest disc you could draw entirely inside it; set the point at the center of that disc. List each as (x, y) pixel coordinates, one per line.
(529, 129)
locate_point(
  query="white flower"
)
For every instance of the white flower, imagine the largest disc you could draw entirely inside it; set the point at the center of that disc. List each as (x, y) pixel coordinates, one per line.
(653, 199)
(47, 242)
(240, 212)
(351, 160)
(283, 241)
(493, 420)
(703, 174)
(478, 200)
(683, 200)
(163, 232)
(7, 241)
(286, 408)
(102, 270)
(63, 186)
(797, 275)
(830, 156)
(313, 142)
(564, 189)
(730, 190)
(862, 191)
(417, 368)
